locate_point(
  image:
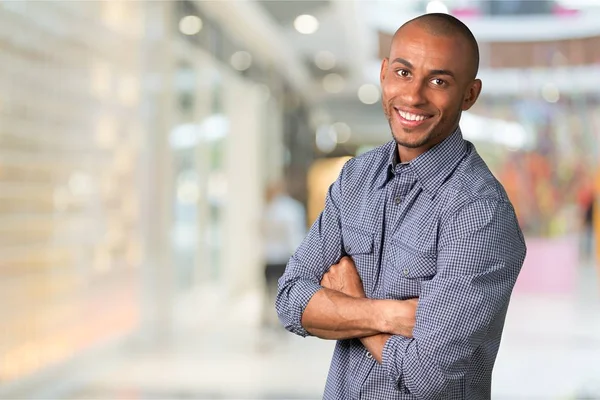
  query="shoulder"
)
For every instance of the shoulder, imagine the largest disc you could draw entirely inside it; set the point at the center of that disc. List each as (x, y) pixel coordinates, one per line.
(367, 166)
(472, 182)
(474, 199)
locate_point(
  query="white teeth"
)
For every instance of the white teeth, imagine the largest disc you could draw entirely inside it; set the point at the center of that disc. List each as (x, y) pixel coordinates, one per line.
(411, 117)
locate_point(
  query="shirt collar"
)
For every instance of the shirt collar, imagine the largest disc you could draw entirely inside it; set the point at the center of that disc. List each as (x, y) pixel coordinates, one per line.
(434, 166)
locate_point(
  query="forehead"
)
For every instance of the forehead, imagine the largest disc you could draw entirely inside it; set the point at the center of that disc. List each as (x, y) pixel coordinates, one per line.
(423, 49)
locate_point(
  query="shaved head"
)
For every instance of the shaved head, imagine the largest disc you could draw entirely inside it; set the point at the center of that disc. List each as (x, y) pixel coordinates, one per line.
(445, 25)
(428, 80)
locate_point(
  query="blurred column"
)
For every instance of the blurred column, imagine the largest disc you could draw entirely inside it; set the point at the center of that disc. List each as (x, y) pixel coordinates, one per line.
(276, 154)
(204, 98)
(157, 292)
(242, 244)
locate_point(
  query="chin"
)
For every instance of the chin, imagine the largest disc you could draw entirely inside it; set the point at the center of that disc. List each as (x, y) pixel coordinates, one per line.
(411, 140)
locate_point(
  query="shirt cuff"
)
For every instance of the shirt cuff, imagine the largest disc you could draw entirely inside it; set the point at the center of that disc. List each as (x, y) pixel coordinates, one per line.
(393, 358)
(302, 292)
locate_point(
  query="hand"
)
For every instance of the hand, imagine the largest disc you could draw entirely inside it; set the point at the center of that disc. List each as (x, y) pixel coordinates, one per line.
(399, 316)
(344, 278)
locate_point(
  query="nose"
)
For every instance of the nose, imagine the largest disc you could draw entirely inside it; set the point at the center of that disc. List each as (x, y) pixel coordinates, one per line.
(412, 93)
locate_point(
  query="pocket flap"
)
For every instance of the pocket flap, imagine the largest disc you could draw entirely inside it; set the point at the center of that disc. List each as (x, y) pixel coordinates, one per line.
(413, 264)
(357, 241)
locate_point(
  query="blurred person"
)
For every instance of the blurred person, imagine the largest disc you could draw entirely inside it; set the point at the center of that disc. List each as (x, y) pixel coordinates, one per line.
(411, 264)
(588, 230)
(284, 227)
(585, 203)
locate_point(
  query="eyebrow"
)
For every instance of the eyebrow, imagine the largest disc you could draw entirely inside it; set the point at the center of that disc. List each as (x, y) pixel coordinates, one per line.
(432, 72)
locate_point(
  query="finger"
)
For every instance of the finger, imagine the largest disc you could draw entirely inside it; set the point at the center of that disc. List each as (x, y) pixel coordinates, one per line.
(334, 269)
(347, 262)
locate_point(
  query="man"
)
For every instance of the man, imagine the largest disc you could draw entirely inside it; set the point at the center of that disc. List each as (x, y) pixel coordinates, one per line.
(417, 223)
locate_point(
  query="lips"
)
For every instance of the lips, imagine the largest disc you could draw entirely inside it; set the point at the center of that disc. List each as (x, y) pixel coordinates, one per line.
(411, 119)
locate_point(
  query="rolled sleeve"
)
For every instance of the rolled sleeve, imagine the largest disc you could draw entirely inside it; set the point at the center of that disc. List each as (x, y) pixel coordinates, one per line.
(291, 303)
(393, 357)
(463, 307)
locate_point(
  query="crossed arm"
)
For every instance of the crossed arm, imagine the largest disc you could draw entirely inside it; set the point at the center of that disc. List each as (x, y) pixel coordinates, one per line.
(480, 252)
(341, 310)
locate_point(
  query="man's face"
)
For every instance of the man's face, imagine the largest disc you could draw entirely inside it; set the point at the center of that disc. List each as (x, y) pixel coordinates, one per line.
(426, 84)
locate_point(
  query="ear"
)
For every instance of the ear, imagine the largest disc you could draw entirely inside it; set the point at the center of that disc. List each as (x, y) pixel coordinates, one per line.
(384, 67)
(472, 94)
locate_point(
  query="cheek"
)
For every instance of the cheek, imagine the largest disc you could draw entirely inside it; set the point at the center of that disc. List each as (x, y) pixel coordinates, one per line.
(390, 88)
(448, 106)
(385, 94)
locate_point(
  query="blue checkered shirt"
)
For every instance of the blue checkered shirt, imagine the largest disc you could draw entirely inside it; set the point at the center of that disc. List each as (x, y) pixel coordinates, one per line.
(440, 228)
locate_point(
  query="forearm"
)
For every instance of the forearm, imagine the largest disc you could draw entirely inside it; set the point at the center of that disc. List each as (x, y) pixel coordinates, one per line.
(333, 315)
(374, 344)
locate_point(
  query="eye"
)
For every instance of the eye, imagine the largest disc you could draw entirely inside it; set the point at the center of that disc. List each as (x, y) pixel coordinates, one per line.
(438, 82)
(403, 73)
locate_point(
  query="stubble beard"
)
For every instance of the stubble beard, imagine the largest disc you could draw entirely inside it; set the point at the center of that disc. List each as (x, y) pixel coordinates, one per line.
(410, 145)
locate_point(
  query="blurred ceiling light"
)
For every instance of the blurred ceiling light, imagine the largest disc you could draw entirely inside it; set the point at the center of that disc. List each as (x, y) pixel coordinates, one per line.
(184, 136)
(114, 13)
(333, 83)
(368, 94)
(241, 60)
(306, 24)
(190, 25)
(342, 132)
(325, 60)
(214, 128)
(325, 138)
(436, 6)
(80, 184)
(550, 93)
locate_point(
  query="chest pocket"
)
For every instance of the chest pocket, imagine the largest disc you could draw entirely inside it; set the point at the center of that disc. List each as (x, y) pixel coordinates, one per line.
(357, 241)
(359, 245)
(407, 269)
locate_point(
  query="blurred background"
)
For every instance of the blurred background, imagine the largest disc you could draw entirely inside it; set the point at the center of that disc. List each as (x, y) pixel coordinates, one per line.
(155, 154)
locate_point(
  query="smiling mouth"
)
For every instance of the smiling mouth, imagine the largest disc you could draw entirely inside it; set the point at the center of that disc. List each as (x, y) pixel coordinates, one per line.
(411, 119)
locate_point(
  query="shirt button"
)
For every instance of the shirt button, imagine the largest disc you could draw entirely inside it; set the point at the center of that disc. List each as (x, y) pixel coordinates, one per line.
(369, 355)
(405, 271)
(398, 200)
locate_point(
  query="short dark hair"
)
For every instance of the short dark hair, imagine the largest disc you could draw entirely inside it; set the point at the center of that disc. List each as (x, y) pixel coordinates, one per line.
(440, 24)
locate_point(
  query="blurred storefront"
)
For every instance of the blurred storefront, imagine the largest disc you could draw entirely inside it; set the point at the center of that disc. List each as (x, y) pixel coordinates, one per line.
(71, 136)
(123, 188)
